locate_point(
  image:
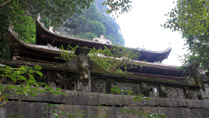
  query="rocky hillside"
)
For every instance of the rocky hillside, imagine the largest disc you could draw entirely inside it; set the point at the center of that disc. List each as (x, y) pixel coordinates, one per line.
(92, 23)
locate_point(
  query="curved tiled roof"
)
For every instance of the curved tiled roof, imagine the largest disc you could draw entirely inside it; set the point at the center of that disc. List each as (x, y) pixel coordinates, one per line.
(42, 53)
(44, 36)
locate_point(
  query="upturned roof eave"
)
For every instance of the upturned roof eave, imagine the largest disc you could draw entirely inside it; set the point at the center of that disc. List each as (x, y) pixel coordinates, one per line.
(146, 55)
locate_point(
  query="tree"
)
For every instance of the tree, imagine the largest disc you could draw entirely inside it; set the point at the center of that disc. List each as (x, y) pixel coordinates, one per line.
(53, 9)
(22, 14)
(118, 6)
(92, 23)
(191, 18)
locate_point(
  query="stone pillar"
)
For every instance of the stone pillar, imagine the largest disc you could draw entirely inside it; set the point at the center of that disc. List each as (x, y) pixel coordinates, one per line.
(187, 93)
(199, 95)
(84, 74)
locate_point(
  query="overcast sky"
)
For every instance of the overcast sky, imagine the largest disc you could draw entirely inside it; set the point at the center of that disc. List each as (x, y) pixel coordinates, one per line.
(141, 28)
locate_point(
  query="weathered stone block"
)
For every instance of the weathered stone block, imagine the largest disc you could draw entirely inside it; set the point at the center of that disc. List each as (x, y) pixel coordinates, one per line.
(150, 102)
(43, 97)
(107, 99)
(80, 98)
(64, 111)
(132, 112)
(24, 109)
(70, 97)
(85, 98)
(100, 112)
(123, 100)
(195, 104)
(175, 112)
(200, 113)
(171, 102)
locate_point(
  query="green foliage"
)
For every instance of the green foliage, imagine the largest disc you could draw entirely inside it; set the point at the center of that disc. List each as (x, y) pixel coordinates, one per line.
(111, 60)
(65, 55)
(22, 22)
(190, 17)
(92, 23)
(114, 59)
(118, 6)
(21, 81)
(22, 14)
(25, 25)
(56, 10)
(81, 23)
(88, 35)
(16, 116)
(136, 98)
(113, 31)
(117, 90)
(96, 26)
(139, 98)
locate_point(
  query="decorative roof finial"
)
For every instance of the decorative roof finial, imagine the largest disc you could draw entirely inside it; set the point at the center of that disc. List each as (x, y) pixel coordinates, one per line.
(102, 40)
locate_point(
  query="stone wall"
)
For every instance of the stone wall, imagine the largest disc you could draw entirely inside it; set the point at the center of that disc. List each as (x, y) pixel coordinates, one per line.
(104, 106)
(69, 77)
(90, 91)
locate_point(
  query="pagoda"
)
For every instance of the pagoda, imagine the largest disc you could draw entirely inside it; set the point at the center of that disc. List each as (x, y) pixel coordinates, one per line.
(48, 43)
(45, 36)
(89, 87)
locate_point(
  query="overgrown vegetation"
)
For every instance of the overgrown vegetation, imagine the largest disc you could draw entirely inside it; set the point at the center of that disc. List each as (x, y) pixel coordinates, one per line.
(21, 81)
(92, 23)
(22, 14)
(190, 17)
(113, 60)
(65, 55)
(118, 7)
